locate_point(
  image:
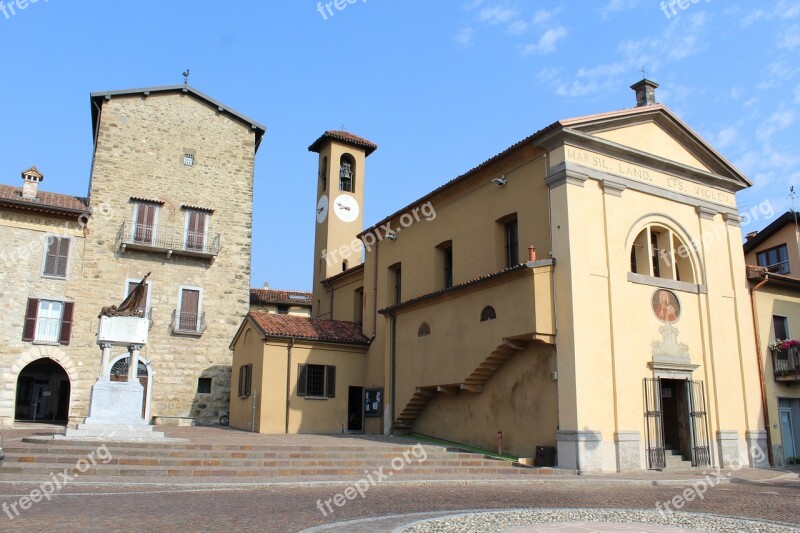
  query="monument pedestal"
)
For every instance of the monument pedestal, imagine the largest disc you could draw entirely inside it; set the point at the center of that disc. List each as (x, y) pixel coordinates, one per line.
(115, 413)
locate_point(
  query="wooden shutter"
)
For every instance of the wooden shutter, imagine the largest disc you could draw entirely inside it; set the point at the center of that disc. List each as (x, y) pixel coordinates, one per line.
(190, 302)
(241, 381)
(31, 313)
(248, 382)
(330, 381)
(145, 218)
(63, 257)
(66, 323)
(51, 257)
(301, 380)
(196, 229)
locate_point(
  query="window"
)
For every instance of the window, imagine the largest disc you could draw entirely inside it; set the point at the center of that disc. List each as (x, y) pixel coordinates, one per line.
(659, 253)
(488, 313)
(145, 218)
(48, 321)
(204, 386)
(358, 305)
(130, 285)
(447, 266)
(776, 260)
(188, 159)
(56, 257)
(245, 380)
(283, 309)
(347, 173)
(424, 330)
(344, 265)
(512, 243)
(190, 317)
(316, 381)
(196, 230)
(397, 283)
(781, 327)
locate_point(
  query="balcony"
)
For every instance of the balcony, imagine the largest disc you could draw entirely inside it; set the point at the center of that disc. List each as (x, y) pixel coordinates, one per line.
(187, 323)
(779, 268)
(786, 363)
(168, 240)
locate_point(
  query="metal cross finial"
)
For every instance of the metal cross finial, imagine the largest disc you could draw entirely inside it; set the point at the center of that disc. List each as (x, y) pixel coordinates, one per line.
(644, 73)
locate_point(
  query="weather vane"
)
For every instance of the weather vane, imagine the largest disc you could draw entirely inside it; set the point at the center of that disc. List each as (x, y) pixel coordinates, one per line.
(186, 78)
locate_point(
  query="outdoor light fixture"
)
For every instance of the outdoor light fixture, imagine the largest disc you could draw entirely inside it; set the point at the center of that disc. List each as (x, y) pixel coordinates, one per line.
(392, 236)
(501, 181)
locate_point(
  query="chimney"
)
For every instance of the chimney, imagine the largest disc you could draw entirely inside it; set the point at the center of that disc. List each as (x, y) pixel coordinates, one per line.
(30, 183)
(645, 92)
(266, 286)
(750, 235)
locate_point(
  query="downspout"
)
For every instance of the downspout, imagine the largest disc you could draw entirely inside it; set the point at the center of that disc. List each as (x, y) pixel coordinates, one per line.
(392, 354)
(288, 380)
(375, 296)
(761, 378)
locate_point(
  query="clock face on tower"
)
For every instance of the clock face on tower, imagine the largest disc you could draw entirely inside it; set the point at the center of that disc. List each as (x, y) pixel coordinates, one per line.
(322, 209)
(346, 208)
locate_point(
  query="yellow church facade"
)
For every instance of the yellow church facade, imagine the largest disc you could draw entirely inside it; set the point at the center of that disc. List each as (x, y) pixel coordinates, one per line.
(583, 290)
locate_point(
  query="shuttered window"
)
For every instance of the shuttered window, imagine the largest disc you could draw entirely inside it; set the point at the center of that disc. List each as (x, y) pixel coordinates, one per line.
(144, 226)
(245, 380)
(189, 310)
(316, 381)
(196, 222)
(48, 321)
(56, 257)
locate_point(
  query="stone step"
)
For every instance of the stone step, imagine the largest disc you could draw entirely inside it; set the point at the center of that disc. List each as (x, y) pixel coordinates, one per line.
(193, 471)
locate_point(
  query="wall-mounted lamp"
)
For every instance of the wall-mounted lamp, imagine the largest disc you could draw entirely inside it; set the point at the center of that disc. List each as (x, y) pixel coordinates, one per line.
(501, 181)
(392, 236)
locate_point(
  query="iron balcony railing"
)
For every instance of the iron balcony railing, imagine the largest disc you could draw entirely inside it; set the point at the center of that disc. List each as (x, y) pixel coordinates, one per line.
(188, 323)
(779, 268)
(786, 364)
(168, 239)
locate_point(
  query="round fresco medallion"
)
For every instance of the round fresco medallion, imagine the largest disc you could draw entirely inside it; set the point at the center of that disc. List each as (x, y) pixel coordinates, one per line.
(666, 306)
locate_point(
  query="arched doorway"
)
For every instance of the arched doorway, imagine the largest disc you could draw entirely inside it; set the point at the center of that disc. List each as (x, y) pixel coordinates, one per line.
(119, 372)
(43, 393)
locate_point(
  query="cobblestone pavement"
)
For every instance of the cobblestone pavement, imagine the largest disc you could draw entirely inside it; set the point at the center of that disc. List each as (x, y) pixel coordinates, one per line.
(83, 507)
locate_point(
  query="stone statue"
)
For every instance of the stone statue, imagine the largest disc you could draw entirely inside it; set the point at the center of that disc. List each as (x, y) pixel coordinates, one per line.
(132, 305)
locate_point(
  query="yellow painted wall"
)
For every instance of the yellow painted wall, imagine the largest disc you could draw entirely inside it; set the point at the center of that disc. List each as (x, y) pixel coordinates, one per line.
(649, 137)
(519, 400)
(786, 235)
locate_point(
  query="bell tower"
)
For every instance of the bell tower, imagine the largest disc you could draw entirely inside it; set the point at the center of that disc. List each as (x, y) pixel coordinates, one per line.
(339, 208)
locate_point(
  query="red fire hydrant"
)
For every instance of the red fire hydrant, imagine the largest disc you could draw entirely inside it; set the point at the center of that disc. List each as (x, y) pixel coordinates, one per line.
(499, 441)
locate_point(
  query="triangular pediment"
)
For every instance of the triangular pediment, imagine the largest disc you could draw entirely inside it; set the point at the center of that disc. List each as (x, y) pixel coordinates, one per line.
(657, 132)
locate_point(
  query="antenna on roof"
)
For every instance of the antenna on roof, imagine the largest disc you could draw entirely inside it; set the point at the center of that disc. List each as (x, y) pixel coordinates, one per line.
(792, 196)
(186, 78)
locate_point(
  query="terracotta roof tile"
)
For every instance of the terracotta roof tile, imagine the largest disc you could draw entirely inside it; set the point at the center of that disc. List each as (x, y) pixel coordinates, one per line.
(44, 201)
(269, 296)
(302, 327)
(345, 137)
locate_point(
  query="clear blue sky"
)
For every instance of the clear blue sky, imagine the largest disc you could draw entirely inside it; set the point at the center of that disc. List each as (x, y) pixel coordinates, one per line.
(439, 86)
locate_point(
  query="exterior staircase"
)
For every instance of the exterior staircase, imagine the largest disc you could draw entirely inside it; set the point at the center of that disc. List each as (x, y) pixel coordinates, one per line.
(675, 460)
(473, 383)
(237, 462)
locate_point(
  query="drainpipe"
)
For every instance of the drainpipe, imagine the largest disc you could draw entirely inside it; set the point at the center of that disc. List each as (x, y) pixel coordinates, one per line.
(392, 355)
(288, 380)
(761, 378)
(375, 296)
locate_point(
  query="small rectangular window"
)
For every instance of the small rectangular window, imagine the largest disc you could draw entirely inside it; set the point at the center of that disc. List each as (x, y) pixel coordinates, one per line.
(188, 159)
(776, 259)
(56, 257)
(283, 309)
(358, 305)
(781, 327)
(316, 381)
(245, 380)
(204, 386)
(398, 284)
(447, 266)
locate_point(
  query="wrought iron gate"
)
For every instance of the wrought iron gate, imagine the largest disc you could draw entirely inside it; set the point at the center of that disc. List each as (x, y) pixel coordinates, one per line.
(654, 424)
(701, 449)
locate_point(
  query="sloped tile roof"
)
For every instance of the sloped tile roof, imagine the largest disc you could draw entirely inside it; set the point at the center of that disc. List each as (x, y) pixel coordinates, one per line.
(47, 202)
(302, 327)
(269, 296)
(345, 137)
